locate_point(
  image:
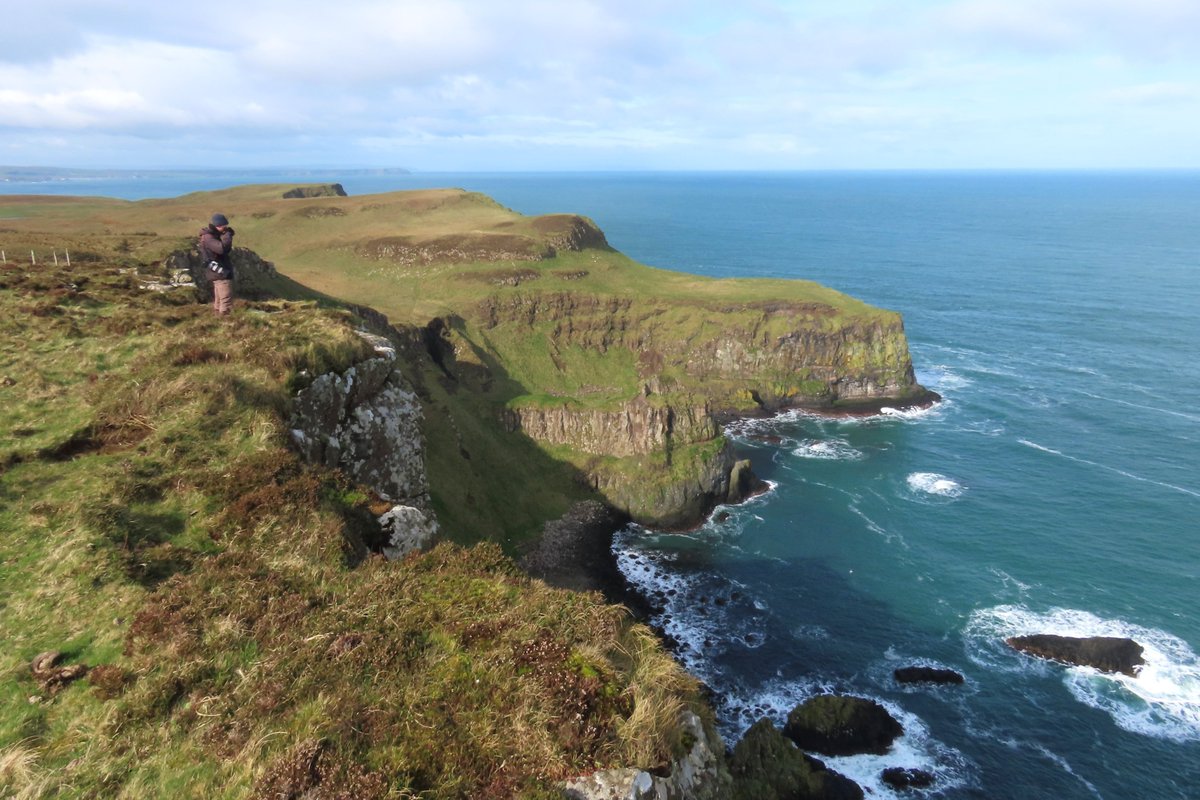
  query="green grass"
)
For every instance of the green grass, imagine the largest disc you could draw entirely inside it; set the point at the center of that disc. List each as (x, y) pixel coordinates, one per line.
(155, 527)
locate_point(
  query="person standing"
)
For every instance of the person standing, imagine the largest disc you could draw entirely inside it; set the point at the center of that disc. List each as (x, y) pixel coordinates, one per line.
(216, 247)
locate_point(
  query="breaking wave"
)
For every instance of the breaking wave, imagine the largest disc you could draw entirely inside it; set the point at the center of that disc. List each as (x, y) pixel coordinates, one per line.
(1163, 701)
(933, 483)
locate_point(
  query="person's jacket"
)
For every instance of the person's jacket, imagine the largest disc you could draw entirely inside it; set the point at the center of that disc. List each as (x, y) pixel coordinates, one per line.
(217, 246)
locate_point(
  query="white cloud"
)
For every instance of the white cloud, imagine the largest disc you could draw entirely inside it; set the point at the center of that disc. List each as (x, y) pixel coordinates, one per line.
(336, 81)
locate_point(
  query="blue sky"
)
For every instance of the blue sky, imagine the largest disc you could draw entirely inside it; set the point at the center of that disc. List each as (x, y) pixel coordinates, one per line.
(451, 85)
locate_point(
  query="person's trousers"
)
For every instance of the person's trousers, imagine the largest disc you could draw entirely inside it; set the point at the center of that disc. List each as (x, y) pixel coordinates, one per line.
(222, 296)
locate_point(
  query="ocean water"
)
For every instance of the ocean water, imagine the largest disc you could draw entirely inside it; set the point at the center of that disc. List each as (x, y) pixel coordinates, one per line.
(1056, 489)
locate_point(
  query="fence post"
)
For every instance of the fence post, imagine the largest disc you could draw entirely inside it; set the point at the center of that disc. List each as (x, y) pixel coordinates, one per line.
(68, 253)
(32, 258)
(55, 253)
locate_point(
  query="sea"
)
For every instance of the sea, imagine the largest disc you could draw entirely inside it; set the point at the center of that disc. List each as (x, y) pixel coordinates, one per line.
(1054, 489)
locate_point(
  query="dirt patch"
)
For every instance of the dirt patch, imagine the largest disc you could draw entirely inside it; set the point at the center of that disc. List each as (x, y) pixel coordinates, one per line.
(501, 277)
(318, 212)
(571, 275)
(774, 307)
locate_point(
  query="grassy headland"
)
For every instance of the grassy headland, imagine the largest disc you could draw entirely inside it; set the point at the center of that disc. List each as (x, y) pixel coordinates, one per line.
(533, 320)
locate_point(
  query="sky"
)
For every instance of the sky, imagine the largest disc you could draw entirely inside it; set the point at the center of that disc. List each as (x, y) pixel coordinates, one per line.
(519, 85)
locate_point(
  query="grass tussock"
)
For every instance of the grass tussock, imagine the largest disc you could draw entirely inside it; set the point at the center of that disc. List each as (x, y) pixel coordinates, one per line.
(237, 636)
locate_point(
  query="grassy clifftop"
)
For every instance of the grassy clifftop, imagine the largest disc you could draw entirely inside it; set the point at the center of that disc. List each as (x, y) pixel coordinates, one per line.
(533, 321)
(239, 637)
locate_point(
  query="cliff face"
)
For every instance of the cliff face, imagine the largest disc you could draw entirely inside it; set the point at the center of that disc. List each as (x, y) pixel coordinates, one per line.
(636, 427)
(769, 355)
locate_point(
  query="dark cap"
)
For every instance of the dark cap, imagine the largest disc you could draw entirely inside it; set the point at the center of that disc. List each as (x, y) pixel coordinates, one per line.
(219, 219)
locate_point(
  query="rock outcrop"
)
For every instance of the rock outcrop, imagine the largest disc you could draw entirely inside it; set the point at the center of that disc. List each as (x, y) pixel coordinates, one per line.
(1105, 653)
(840, 725)
(765, 765)
(251, 273)
(367, 422)
(324, 190)
(918, 674)
(699, 774)
(698, 479)
(569, 232)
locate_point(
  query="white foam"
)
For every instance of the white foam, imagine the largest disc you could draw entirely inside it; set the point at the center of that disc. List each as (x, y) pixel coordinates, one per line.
(1162, 701)
(941, 378)
(911, 414)
(752, 431)
(827, 450)
(704, 613)
(934, 483)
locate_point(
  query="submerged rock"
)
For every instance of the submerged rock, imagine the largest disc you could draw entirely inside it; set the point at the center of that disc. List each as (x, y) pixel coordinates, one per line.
(766, 766)
(917, 674)
(841, 725)
(1105, 653)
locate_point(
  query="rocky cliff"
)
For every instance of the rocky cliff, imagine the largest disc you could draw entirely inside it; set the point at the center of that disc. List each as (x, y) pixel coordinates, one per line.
(366, 421)
(636, 427)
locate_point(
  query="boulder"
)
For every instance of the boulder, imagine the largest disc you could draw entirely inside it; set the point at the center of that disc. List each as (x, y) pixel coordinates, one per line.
(1106, 653)
(903, 778)
(918, 674)
(765, 765)
(841, 725)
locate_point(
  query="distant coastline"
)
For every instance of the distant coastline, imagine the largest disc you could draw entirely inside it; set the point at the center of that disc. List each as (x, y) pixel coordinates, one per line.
(53, 174)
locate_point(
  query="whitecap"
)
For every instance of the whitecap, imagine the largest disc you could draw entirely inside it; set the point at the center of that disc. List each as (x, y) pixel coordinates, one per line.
(827, 450)
(935, 484)
(1162, 701)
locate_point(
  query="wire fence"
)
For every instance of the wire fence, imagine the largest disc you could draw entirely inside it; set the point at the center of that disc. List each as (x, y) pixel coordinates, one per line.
(33, 257)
